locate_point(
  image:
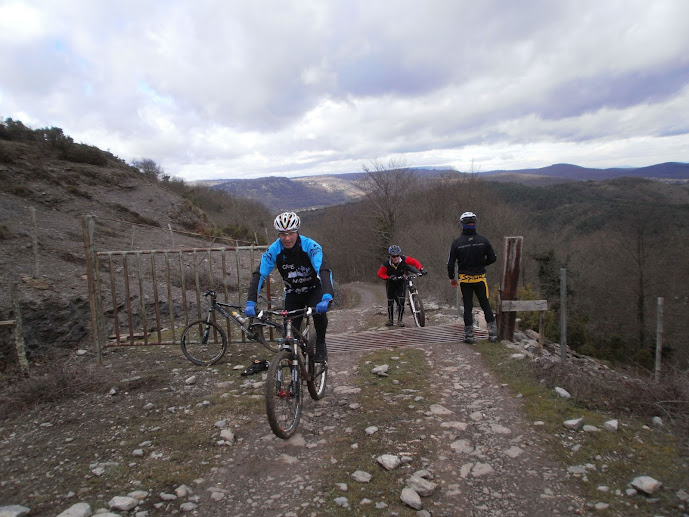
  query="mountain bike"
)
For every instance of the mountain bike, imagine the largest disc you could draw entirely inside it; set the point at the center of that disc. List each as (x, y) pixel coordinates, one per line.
(414, 300)
(289, 369)
(204, 342)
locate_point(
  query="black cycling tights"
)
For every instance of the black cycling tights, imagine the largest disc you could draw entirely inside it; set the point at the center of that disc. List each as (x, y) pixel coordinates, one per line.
(481, 291)
(295, 301)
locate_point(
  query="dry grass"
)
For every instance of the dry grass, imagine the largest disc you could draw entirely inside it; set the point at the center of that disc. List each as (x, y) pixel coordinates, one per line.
(598, 395)
(639, 396)
(55, 381)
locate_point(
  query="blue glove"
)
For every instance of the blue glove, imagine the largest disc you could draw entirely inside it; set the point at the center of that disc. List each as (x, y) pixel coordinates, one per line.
(250, 309)
(323, 306)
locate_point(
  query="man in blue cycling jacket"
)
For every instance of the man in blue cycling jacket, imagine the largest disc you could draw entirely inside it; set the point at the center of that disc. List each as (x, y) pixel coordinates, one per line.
(305, 272)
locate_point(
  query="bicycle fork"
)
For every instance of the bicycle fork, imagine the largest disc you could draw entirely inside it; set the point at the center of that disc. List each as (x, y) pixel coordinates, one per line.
(291, 390)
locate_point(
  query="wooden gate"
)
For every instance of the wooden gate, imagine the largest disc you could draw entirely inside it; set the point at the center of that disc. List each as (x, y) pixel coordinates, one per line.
(146, 297)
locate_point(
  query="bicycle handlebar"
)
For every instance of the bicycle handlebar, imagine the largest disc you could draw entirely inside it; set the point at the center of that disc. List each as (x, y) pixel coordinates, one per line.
(285, 314)
(213, 294)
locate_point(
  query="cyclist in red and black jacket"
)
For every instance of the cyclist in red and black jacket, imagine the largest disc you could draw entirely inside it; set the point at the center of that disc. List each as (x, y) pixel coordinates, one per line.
(392, 271)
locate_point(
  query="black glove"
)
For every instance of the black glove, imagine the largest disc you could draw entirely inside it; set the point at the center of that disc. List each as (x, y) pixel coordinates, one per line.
(423, 272)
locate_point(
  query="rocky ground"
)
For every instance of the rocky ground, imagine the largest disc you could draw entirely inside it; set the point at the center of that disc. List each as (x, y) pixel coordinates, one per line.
(159, 436)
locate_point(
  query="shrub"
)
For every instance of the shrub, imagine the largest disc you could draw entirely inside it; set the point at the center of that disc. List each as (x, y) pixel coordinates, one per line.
(82, 153)
(5, 233)
(15, 130)
(7, 154)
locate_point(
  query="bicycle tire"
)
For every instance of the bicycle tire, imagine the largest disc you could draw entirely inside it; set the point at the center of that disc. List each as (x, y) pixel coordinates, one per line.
(308, 335)
(203, 343)
(417, 310)
(262, 331)
(317, 386)
(283, 395)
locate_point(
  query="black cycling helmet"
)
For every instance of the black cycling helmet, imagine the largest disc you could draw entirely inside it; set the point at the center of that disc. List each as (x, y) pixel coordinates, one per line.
(394, 250)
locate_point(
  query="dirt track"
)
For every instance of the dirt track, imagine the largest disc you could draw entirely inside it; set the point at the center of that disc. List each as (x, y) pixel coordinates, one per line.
(267, 476)
(482, 455)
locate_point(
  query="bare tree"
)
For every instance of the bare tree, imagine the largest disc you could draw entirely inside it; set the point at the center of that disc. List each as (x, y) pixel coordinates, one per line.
(387, 187)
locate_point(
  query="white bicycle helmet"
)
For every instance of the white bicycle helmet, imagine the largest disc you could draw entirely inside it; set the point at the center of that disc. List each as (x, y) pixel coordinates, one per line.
(287, 222)
(468, 218)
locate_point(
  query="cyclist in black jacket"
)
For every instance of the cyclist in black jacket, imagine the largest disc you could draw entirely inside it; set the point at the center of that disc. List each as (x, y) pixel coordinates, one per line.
(471, 253)
(305, 272)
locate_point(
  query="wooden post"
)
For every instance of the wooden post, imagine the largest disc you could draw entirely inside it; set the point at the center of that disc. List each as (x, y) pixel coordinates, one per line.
(563, 315)
(659, 338)
(18, 330)
(172, 235)
(90, 255)
(514, 306)
(34, 241)
(510, 281)
(541, 329)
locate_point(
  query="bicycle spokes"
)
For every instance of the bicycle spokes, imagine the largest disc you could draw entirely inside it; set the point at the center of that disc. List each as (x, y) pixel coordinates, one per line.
(283, 395)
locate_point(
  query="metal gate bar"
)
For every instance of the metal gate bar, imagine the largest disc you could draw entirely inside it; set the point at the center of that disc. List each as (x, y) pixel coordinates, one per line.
(164, 281)
(394, 338)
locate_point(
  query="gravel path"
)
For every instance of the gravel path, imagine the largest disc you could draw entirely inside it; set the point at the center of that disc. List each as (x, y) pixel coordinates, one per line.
(486, 461)
(479, 455)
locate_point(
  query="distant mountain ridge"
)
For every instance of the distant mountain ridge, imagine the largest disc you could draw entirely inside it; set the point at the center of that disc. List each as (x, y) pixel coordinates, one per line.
(306, 192)
(665, 171)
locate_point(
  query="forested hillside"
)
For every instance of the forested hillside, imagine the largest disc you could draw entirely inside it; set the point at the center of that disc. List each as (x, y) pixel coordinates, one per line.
(623, 242)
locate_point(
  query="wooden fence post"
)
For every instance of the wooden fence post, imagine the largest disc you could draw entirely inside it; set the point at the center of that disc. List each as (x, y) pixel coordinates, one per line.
(563, 314)
(508, 290)
(659, 339)
(90, 255)
(34, 241)
(18, 330)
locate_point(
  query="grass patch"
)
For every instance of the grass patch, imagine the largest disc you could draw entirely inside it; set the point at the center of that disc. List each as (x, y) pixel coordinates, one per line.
(616, 458)
(393, 404)
(348, 298)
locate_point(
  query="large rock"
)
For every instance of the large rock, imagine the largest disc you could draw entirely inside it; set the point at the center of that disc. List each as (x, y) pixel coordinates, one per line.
(77, 510)
(14, 510)
(389, 461)
(646, 484)
(411, 498)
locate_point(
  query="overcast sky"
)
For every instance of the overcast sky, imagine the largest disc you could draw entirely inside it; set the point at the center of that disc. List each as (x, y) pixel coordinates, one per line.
(230, 89)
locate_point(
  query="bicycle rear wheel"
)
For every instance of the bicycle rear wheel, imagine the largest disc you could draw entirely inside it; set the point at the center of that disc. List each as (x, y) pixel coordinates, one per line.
(317, 386)
(417, 310)
(263, 332)
(203, 343)
(283, 395)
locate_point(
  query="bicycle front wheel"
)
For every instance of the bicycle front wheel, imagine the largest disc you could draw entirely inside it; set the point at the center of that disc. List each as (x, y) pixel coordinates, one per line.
(283, 395)
(268, 335)
(417, 310)
(203, 342)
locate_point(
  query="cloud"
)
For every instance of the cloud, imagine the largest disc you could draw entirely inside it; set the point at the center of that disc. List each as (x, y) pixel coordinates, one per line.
(228, 89)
